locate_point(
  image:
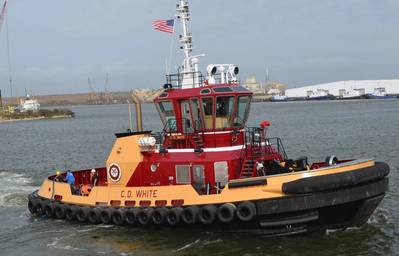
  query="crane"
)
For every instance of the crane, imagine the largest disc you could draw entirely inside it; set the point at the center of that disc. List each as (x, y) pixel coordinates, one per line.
(92, 97)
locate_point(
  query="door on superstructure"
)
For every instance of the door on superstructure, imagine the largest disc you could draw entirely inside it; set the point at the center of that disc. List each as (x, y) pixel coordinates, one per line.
(186, 117)
(198, 178)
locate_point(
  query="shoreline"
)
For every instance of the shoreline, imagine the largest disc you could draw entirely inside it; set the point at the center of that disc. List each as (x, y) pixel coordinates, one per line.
(34, 118)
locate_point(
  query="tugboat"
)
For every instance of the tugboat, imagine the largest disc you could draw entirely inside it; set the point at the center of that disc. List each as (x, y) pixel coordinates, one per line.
(206, 169)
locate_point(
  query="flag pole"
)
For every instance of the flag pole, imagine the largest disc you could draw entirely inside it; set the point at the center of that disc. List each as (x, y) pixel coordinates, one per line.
(171, 47)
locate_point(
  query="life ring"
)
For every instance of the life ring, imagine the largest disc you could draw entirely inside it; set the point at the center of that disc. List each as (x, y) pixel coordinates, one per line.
(93, 215)
(81, 214)
(190, 214)
(207, 214)
(159, 215)
(246, 211)
(174, 215)
(70, 212)
(49, 209)
(131, 216)
(59, 211)
(118, 216)
(105, 216)
(226, 212)
(144, 217)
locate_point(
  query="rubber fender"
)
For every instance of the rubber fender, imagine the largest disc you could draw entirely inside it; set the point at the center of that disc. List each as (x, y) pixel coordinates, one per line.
(131, 215)
(93, 215)
(70, 212)
(40, 207)
(144, 217)
(337, 180)
(105, 216)
(207, 214)
(32, 205)
(118, 216)
(190, 214)
(159, 215)
(246, 211)
(59, 211)
(226, 212)
(49, 209)
(174, 215)
(81, 214)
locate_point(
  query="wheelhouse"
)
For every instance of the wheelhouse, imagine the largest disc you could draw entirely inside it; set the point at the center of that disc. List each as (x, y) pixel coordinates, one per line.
(209, 108)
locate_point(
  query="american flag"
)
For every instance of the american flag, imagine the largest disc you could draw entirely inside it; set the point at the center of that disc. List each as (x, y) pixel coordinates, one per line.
(164, 25)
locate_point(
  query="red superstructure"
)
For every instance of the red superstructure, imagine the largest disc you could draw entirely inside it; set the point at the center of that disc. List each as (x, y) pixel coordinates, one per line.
(203, 126)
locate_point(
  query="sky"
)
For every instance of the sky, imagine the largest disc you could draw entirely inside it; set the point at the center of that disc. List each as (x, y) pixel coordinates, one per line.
(56, 45)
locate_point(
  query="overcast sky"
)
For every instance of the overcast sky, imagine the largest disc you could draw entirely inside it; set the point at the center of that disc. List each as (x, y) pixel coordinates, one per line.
(57, 44)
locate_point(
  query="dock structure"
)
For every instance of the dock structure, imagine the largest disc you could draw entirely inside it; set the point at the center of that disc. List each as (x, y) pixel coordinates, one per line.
(341, 88)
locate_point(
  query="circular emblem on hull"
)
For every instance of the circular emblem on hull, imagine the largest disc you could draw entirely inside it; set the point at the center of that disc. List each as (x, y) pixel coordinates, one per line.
(114, 172)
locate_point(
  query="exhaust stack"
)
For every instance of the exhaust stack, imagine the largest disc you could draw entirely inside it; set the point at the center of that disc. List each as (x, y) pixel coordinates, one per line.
(137, 106)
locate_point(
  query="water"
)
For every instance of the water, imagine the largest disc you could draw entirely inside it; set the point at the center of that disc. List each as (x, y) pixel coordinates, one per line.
(32, 150)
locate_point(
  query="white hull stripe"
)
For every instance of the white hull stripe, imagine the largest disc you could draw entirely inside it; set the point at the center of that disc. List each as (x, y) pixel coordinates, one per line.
(221, 132)
(191, 150)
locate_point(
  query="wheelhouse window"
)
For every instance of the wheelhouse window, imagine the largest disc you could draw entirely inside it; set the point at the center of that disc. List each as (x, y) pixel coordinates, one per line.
(224, 111)
(242, 111)
(207, 108)
(167, 114)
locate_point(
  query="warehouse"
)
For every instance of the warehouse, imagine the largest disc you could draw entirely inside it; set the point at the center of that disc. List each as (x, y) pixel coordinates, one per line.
(341, 87)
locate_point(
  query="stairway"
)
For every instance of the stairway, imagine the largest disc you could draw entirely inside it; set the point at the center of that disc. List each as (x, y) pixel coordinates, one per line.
(256, 151)
(198, 141)
(247, 169)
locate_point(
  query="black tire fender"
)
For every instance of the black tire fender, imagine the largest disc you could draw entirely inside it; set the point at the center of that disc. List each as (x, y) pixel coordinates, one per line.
(226, 212)
(174, 215)
(40, 207)
(118, 216)
(93, 215)
(190, 214)
(70, 212)
(81, 214)
(59, 211)
(105, 216)
(131, 215)
(159, 215)
(207, 214)
(49, 209)
(32, 205)
(246, 211)
(144, 216)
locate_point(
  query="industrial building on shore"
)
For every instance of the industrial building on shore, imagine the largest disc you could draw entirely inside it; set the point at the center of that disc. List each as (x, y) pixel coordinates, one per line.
(340, 88)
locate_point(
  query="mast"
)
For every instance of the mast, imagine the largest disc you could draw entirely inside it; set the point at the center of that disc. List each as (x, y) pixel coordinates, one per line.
(189, 70)
(183, 15)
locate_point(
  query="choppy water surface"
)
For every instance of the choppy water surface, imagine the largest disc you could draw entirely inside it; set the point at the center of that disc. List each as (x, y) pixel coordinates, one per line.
(31, 150)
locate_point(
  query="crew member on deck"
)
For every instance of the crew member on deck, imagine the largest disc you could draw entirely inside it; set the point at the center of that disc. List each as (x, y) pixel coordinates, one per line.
(93, 178)
(58, 177)
(70, 179)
